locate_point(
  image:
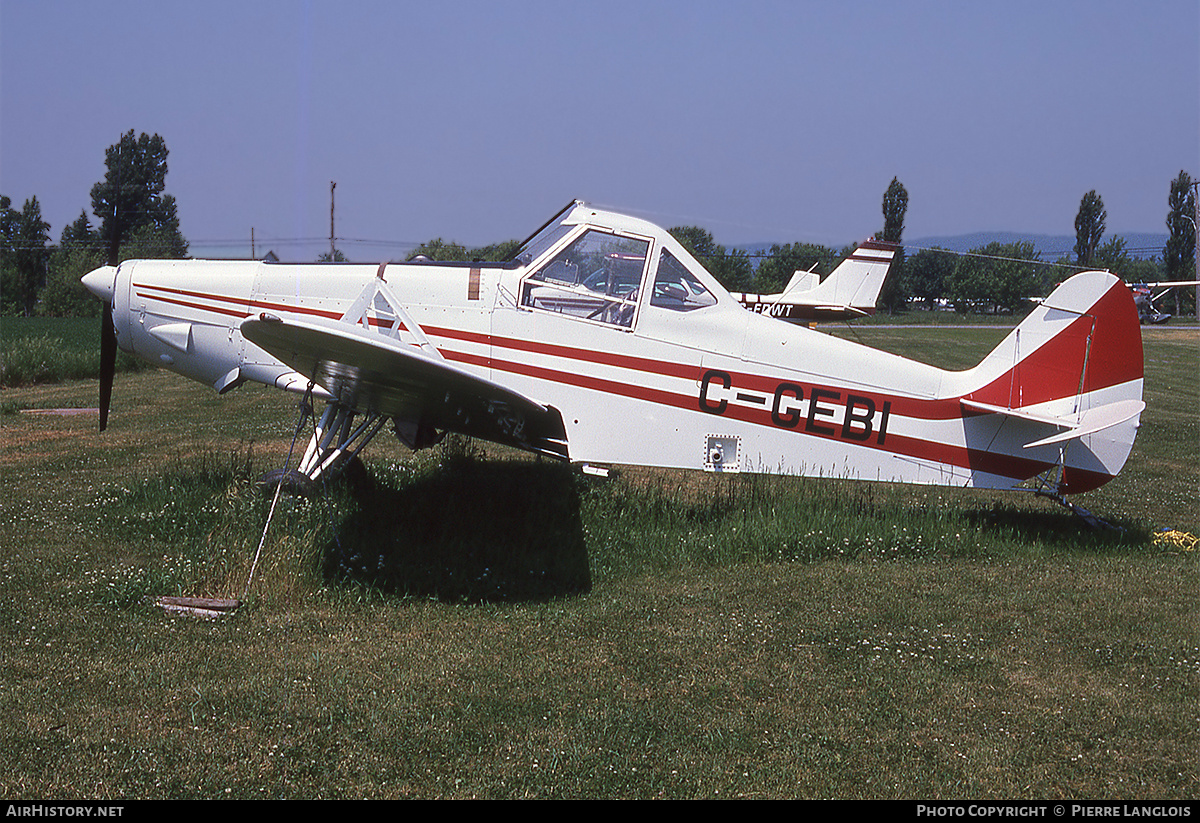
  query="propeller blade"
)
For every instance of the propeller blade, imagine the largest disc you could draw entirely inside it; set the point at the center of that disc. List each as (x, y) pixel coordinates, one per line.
(108, 362)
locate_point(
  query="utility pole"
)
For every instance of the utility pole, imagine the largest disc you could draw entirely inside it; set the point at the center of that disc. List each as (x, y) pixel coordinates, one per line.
(332, 247)
(1196, 239)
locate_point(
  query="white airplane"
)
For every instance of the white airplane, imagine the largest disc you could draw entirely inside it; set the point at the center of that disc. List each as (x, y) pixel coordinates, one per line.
(1145, 298)
(851, 290)
(603, 342)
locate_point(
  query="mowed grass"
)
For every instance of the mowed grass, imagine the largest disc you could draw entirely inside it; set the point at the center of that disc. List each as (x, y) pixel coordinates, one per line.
(477, 624)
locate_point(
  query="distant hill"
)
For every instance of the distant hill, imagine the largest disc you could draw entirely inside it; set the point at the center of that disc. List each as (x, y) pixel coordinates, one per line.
(1051, 247)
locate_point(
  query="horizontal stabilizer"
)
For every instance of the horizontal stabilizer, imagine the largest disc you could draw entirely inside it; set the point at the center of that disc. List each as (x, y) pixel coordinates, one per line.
(801, 281)
(1096, 420)
(1091, 421)
(1019, 414)
(849, 311)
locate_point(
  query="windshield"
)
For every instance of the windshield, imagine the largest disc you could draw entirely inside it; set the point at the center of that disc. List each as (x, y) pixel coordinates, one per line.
(595, 278)
(550, 233)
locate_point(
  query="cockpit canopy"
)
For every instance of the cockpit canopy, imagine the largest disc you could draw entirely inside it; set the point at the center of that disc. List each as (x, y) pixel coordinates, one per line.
(592, 268)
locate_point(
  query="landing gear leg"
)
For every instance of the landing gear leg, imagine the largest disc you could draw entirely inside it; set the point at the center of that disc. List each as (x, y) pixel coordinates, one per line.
(305, 411)
(337, 438)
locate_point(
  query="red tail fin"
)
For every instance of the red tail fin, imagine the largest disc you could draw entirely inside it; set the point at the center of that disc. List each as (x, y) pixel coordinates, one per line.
(1074, 363)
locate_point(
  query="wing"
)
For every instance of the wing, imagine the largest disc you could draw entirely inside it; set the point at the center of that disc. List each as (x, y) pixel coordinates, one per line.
(370, 372)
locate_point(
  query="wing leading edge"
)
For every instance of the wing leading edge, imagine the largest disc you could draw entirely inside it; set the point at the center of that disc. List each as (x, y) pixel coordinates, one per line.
(370, 372)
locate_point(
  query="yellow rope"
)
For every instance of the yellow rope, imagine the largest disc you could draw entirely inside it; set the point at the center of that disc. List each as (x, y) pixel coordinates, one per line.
(1185, 541)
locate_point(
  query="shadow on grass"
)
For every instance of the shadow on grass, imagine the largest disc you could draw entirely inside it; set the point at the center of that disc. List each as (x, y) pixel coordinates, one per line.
(473, 531)
(1058, 528)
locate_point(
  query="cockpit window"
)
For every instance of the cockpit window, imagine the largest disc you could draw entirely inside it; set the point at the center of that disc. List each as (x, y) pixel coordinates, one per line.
(534, 247)
(676, 288)
(595, 278)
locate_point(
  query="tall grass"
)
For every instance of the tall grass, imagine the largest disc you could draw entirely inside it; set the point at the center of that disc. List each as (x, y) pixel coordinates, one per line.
(726, 520)
(29, 360)
(473, 528)
(208, 514)
(36, 350)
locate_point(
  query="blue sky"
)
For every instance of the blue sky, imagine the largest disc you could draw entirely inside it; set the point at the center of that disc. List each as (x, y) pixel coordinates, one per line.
(475, 121)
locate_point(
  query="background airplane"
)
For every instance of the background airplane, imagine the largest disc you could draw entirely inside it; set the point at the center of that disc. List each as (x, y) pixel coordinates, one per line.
(1144, 298)
(851, 290)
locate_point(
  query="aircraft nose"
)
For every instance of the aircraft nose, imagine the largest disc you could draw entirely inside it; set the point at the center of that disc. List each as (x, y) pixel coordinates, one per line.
(101, 282)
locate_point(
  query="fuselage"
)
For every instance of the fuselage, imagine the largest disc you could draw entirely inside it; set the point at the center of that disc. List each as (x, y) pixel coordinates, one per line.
(608, 320)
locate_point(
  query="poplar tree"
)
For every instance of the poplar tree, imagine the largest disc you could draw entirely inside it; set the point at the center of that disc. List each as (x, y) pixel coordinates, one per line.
(1089, 227)
(895, 204)
(1179, 255)
(25, 238)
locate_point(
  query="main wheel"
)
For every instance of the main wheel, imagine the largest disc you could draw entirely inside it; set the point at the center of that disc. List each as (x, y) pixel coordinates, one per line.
(290, 481)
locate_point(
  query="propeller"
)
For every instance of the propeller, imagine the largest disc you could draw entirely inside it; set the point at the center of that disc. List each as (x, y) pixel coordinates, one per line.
(108, 362)
(102, 283)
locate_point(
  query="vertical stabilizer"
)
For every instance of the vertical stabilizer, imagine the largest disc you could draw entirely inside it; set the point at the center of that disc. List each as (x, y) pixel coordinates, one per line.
(851, 290)
(1069, 378)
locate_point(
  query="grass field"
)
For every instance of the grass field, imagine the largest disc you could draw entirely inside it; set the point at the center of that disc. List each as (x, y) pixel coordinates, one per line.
(480, 625)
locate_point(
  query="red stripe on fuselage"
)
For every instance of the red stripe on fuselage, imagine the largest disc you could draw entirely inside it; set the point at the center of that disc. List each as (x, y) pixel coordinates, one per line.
(1015, 467)
(900, 406)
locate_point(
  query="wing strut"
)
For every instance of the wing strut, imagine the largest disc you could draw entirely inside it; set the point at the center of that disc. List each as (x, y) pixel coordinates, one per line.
(377, 306)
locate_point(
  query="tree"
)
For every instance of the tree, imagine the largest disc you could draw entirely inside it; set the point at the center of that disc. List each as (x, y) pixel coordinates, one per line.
(439, 249)
(1179, 255)
(1141, 270)
(927, 274)
(151, 243)
(80, 233)
(8, 273)
(79, 251)
(496, 252)
(25, 235)
(1089, 227)
(698, 241)
(731, 268)
(130, 198)
(895, 206)
(1112, 256)
(776, 270)
(995, 277)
